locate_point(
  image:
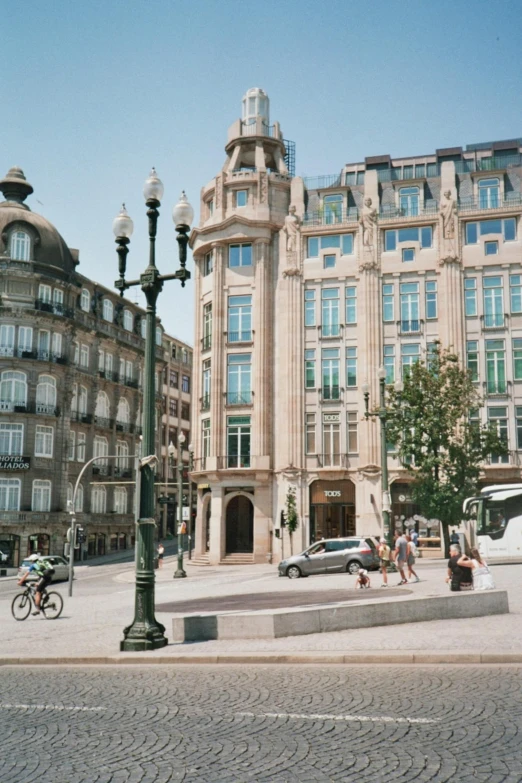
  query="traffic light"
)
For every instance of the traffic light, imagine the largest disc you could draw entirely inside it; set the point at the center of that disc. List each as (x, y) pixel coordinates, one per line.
(283, 519)
(80, 537)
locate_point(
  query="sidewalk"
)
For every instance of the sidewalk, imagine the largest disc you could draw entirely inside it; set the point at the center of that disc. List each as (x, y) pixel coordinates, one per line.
(91, 627)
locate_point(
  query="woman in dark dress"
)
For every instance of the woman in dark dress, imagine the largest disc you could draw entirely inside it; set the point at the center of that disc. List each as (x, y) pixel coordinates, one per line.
(459, 577)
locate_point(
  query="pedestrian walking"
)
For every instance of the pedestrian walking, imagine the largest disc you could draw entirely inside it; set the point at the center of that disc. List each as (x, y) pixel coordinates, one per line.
(363, 580)
(459, 577)
(482, 578)
(412, 553)
(401, 555)
(414, 536)
(454, 538)
(384, 553)
(161, 552)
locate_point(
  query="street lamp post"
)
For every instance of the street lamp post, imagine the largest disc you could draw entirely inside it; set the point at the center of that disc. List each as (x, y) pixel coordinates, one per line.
(189, 528)
(180, 572)
(382, 413)
(145, 632)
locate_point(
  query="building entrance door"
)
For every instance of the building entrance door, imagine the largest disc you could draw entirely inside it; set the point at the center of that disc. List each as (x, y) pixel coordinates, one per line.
(332, 509)
(240, 525)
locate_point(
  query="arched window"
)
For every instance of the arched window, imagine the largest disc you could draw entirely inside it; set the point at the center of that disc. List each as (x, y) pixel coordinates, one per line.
(13, 389)
(46, 394)
(98, 500)
(78, 506)
(41, 500)
(10, 490)
(159, 335)
(20, 246)
(103, 408)
(85, 300)
(100, 448)
(108, 310)
(122, 452)
(82, 400)
(128, 320)
(123, 414)
(409, 201)
(120, 500)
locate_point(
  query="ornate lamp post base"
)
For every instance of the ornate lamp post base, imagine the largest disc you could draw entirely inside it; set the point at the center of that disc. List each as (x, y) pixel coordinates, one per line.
(141, 637)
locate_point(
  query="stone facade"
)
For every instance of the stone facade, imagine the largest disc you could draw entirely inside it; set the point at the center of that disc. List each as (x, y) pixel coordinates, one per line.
(71, 359)
(304, 289)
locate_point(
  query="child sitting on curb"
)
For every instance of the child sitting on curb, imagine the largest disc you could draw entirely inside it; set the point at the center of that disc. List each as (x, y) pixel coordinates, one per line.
(363, 580)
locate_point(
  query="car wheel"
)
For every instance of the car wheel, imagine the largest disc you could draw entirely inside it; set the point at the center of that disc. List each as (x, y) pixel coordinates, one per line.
(353, 566)
(293, 572)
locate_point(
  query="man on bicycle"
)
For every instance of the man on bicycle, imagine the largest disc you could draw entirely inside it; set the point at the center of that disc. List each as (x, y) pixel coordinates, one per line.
(44, 573)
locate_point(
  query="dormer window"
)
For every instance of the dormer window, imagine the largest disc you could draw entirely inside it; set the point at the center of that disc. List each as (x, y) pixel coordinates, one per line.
(333, 208)
(108, 310)
(20, 246)
(489, 193)
(128, 320)
(409, 201)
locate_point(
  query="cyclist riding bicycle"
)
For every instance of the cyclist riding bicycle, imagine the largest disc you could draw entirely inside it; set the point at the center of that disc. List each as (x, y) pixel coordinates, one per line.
(44, 573)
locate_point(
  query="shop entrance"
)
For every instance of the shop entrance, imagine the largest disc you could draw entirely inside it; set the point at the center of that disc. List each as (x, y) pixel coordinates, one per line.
(10, 548)
(332, 509)
(240, 525)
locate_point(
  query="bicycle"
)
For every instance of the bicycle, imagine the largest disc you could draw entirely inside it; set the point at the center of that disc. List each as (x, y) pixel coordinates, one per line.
(51, 604)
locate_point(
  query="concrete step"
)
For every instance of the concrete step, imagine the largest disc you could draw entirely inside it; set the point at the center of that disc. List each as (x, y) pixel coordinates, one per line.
(200, 560)
(237, 558)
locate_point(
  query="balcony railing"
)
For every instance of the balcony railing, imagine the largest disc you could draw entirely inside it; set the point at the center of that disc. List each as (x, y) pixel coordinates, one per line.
(497, 388)
(332, 460)
(119, 472)
(206, 342)
(109, 375)
(511, 199)
(330, 330)
(22, 353)
(488, 164)
(330, 393)
(48, 410)
(234, 461)
(205, 402)
(7, 350)
(102, 421)
(53, 307)
(50, 356)
(15, 406)
(124, 426)
(323, 181)
(9, 406)
(239, 398)
(131, 382)
(494, 321)
(244, 336)
(330, 217)
(430, 207)
(413, 326)
(81, 417)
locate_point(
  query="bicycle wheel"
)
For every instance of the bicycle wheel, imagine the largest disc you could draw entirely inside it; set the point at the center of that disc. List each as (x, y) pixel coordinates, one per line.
(52, 605)
(21, 606)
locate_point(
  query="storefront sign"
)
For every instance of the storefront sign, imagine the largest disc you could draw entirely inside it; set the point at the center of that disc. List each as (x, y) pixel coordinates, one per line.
(332, 417)
(14, 463)
(327, 492)
(332, 493)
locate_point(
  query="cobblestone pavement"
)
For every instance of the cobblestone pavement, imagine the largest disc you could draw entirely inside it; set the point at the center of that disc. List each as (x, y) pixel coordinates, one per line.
(288, 725)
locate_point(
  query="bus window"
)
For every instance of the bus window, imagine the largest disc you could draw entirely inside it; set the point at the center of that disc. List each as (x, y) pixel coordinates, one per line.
(494, 520)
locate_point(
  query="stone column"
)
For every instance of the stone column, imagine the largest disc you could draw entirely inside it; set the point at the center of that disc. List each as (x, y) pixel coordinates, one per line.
(217, 525)
(195, 427)
(262, 369)
(452, 329)
(217, 388)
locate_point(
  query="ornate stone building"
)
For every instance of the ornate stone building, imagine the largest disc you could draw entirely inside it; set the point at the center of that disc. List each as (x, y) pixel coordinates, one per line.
(71, 358)
(305, 288)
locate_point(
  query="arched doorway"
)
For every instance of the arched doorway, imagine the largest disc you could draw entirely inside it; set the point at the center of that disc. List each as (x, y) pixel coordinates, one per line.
(240, 525)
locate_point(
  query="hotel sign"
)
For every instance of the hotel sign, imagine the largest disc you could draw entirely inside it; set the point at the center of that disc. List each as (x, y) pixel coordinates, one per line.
(14, 463)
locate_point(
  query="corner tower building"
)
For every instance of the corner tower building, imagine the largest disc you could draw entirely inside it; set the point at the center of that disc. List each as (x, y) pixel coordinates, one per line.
(304, 289)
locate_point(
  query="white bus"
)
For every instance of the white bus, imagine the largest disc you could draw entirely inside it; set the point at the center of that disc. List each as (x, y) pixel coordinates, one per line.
(498, 520)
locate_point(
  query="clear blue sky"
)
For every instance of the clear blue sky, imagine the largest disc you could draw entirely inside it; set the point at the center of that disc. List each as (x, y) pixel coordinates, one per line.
(95, 93)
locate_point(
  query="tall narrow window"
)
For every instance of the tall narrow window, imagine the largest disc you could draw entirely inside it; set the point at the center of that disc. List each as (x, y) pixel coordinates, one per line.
(493, 302)
(388, 314)
(99, 500)
(20, 246)
(333, 208)
(207, 326)
(351, 367)
(330, 312)
(56, 346)
(41, 500)
(25, 339)
(518, 424)
(331, 442)
(239, 319)
(241, 198)
(10, 490)
(470, 296)
(72, 447)
(238, 441)
(310, 433)
(515, 288)
(489, 193)
(45, 293)
(100, 449)
(498, 418)
(409, 307)
(205, 437)
(472, 360)
(330, 374)
(11, 439)
(80, 446)
(120, 500)
(43, 441)
(7, 340)
(389, 363)
(122, 455)
(352, 440)
(409, 201)
(46, 394)
(517, 359)
(208, 264)
(13, 390)
(128, 320)
(410, 353)
(205, 401)
(84, 356)
(85, 300)
(431, 299)
(239, 390)
(58, 301)
(496, 367)
(351, 304)
(108, 310)
(309, 295)
(310, 368)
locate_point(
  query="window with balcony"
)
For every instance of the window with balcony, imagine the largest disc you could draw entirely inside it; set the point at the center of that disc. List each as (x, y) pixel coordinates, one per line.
(58, 301)
(25, 340)
(46, 394)
(11, 439)
(489, 193)
(128, 320)
(207, 378)
(333, 208)
(108, 310)
(100, 449)
(238, 441)
(310, 433)
(207, 326)
(7, 340)
(240, 255)
(351, 367)
(84, 357)
(517, 359)
(205, 439)
(41, 499)
(85, 300)
(45, 293)
(56, 346)
(330, 312)
(13, 390)
(410, 354)
(120, 500)
(409, 296)
(239, 389)
(352, 439)
(342, 242)
(310, 368)
(389, 363)
(496, 367)
(331, 443)
(20, 246)
(472, 360)
(102, 410)
(421, 234)
(388, 309)
(493, 302)
(409, 201)
(330, 374)
(351, 304)
(123, 412)
(309, 295)
(98, 500)
(498, 418)
(470, 296)
(431, 299)
(239, 319)
(10, 491)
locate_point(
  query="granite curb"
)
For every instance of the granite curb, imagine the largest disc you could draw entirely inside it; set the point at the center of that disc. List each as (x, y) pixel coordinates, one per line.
(410, 658)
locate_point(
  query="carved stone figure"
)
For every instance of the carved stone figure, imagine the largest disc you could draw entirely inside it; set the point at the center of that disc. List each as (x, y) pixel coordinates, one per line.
(447, 210)
(368, 221)
(291, 229)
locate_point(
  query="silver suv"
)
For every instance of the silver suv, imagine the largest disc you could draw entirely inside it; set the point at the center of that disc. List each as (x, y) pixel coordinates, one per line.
(330, 555)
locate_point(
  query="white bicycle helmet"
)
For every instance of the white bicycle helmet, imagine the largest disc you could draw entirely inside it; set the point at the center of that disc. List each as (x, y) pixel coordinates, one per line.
(32, 558)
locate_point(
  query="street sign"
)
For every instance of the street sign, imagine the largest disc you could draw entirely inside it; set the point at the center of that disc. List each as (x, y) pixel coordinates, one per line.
(186, 513)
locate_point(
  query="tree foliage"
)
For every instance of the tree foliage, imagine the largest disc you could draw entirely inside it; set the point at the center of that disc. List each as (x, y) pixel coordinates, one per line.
(434, 425)
(292, 517)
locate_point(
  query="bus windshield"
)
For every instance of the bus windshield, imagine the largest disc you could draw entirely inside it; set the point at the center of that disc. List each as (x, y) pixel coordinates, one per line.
(497, 513)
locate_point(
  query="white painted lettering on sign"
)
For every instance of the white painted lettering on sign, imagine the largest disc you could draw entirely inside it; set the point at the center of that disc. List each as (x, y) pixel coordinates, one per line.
(332, 493)
(331, 416)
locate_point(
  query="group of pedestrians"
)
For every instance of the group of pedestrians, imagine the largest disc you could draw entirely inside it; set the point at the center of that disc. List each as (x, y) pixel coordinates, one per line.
(403, 556)
(468, 573)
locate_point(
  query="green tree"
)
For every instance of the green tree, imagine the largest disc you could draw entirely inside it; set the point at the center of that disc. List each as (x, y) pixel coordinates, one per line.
(434, 425)
(292, 517)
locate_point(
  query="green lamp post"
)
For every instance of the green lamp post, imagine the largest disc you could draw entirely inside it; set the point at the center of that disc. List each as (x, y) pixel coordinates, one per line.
(180, 572)
(145, 632)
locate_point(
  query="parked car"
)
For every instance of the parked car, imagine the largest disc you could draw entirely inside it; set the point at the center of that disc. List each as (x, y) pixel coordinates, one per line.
(331, 555)
(60, 565)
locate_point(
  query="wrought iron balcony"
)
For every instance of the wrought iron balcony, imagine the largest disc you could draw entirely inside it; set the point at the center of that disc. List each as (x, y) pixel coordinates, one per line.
(512, 199)
(239, 398)
(234, 461)
(497, 388)
(57, 308)
(47, 410)
(82, 417)
(413, 326)
(7, 350)
(332, 460)
(430, 207)
(124, 426)
(330, 393)
(331, 216)
(244, 336)
(102, 421)
(205, 402)
(494, 321)
(206, 342)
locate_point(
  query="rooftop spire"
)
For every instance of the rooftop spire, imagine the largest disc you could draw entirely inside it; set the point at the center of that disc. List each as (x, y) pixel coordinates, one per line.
(15, 187)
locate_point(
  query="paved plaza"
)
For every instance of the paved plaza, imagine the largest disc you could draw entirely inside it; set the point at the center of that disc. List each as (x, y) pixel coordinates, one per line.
(231, 724)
